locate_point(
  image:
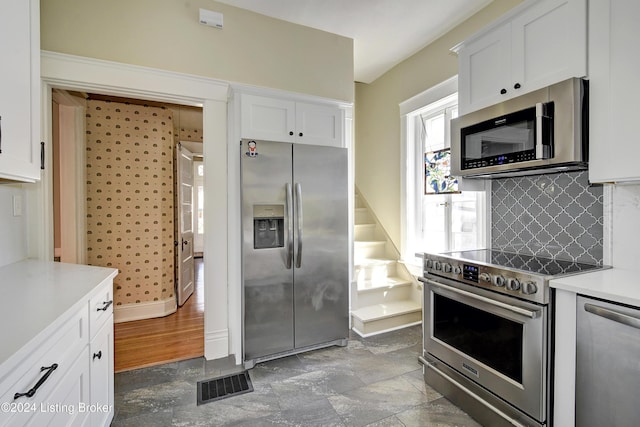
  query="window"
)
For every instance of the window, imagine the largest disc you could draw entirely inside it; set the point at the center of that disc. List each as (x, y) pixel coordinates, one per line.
(440, 214)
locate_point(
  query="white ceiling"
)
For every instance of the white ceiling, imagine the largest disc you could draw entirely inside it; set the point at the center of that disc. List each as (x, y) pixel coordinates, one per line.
(385, 32)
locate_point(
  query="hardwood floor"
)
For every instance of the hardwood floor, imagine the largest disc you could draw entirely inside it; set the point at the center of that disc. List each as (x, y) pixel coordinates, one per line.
(149, 342)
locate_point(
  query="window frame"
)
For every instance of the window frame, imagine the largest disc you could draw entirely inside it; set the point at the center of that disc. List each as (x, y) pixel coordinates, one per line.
(440, 94)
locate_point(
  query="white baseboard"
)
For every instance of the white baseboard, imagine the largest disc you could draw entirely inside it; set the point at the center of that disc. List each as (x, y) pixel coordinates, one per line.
(145, 310)
(216, 344)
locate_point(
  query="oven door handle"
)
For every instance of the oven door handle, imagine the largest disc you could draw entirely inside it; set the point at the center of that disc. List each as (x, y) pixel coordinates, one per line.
(528, 313)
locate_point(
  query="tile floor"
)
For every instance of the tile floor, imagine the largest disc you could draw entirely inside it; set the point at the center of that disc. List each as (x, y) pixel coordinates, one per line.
(375, 381)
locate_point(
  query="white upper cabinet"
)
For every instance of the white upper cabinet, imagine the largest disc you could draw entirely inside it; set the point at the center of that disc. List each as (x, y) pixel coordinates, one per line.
(20, 90)
(265, 118)
(485, 70)
(539, 43)
(319, 124)
(614, 67)
(275, 119)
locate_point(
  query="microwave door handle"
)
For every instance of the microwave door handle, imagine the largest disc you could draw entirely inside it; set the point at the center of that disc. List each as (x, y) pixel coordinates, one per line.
(543, 151)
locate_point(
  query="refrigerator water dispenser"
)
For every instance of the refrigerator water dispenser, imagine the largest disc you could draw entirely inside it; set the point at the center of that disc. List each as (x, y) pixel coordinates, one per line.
(268, 226)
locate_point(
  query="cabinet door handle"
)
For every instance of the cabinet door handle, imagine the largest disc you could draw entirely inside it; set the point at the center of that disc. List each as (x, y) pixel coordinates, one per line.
(42, 155)
(41, 381)
(106, 305)
(300, 134)
(97, 355)
(503, 91)
(291, 133)
(517, 86)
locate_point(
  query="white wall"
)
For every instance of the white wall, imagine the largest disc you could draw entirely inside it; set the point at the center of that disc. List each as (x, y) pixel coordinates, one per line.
(625, 226)
(166, 34)
(13, 229)
(377, 115)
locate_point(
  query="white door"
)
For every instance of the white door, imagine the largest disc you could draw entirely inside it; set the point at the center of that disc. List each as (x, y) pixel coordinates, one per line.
(184, 248)
(198, 207)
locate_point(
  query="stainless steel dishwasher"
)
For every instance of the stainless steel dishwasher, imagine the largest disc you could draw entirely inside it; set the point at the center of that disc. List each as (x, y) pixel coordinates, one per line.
(607, 364)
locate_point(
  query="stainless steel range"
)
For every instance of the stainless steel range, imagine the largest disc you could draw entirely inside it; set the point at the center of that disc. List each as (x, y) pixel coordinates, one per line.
(488, 332)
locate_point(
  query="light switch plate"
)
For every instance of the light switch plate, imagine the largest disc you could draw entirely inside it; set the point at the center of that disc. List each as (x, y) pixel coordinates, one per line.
(17, 205)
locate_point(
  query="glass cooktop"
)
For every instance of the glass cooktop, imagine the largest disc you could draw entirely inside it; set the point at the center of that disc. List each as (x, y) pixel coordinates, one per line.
(528, 263)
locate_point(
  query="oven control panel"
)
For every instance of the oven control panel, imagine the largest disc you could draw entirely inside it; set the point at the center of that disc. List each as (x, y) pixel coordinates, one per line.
(503, 280)
(470, 272)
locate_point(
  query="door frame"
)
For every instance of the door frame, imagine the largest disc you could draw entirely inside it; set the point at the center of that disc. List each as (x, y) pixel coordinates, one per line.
(82, 74)
(72, 147)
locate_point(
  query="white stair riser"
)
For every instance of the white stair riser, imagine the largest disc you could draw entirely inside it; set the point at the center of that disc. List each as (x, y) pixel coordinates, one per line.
(362, 216)
(375, 272)
(381, 296)
(366, 250)
(381, 325)
(364, 232)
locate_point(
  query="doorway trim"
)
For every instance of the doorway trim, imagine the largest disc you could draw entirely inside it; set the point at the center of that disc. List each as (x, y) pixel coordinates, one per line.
(71, 143)
(83, 74)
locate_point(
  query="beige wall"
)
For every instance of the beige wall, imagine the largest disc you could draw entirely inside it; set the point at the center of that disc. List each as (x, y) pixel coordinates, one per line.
(130, 198)
(377, 115)
(165, 34)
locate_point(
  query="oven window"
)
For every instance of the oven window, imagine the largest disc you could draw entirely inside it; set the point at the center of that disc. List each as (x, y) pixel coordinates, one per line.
(490, 339)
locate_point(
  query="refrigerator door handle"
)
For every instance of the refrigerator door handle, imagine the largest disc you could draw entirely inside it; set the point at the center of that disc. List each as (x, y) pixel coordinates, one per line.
(299, 224)
(289, 207)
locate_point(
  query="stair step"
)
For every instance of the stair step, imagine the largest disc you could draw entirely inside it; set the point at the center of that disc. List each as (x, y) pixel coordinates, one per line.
(383, 291)
(364, 232)
(379, 318)
(369, 249)
(362, 216)
(385, 284)
(382, 300)
(383, 311)
(374, 269)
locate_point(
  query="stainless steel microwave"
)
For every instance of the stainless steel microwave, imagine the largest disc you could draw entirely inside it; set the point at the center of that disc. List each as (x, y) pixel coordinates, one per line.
(544, 131)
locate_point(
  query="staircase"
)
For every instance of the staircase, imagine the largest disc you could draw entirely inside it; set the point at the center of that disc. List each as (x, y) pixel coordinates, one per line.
(384, 295)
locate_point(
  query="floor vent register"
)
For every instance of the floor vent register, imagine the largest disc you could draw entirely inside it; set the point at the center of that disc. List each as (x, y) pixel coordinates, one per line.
(223, 387)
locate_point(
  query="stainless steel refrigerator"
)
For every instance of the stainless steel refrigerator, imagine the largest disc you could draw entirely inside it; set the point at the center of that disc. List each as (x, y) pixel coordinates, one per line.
(295, 248)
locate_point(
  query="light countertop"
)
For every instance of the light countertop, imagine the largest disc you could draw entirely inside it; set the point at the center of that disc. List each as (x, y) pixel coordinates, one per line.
(34, 294)
(613, 284)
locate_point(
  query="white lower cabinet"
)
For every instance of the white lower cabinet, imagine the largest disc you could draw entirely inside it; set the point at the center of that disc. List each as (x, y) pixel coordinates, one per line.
(101, 356)
(67, 405)
(64, 375)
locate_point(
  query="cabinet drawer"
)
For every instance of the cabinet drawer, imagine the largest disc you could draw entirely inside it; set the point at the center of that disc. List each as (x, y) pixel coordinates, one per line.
(61, 349)
(68, 404)
(100, 309)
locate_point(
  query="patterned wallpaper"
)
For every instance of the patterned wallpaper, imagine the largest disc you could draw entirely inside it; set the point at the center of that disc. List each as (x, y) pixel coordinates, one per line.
(558, 216)
(130, 198)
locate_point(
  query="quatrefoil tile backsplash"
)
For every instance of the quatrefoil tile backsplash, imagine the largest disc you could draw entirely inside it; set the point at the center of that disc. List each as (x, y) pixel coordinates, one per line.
(557, 216)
